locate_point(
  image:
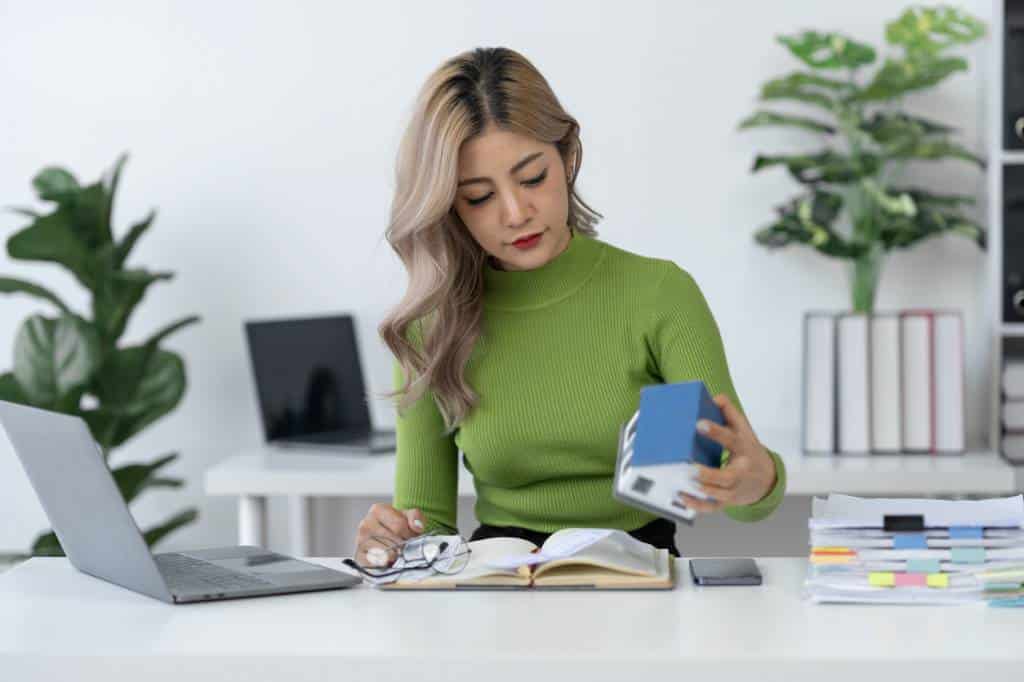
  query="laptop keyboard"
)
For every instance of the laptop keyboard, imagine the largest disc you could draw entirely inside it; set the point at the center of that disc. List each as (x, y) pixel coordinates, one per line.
(184, 571)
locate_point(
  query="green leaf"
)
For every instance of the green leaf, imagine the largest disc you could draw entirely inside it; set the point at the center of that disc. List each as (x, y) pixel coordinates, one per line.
(929, 222)
(132, 479)
(55, 184)
(828, 50)
(11, 391)
(10, 285)
(170, 329)
(115, 178)
(900, 76)
(808, 220)
(55, 358)
(116, 297)
(770, 118)
(808, 88)
(47, 545)
(827, 166)
(157, 533)
(897, 204)
(935, 149)
(930, 30)
(53, 238)
(135, 386)
(133, 235)
(887, 127)
(927, 199)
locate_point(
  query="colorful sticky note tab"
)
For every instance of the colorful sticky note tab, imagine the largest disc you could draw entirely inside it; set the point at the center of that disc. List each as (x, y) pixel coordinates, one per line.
(910, 541)
(881, 579)
(923, 566)
(968, 555)
(1014, 602)
(966, 532)
(938, 580)
(910, 580)
(1002, 587)
(832, 550)
(825, 559)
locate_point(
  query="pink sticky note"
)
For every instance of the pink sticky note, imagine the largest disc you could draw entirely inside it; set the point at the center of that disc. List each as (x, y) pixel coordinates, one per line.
(911, 580)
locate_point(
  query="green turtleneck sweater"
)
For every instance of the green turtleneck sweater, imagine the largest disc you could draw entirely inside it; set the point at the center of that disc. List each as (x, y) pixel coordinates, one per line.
(564, 351)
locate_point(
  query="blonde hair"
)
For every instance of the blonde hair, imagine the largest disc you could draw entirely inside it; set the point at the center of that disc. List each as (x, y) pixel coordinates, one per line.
(434, 328)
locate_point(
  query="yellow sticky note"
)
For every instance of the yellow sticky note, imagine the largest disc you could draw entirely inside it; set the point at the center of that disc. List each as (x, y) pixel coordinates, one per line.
(938, 580)
(881, 579)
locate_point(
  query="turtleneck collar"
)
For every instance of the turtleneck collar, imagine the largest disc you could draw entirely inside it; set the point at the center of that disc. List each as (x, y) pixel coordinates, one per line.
(551, 282)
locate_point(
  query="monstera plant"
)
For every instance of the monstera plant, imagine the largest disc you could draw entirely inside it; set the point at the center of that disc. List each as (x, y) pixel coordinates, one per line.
(72, 362)
(856, 178)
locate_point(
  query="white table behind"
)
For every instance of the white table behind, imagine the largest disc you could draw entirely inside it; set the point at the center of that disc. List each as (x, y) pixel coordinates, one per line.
(301, 474)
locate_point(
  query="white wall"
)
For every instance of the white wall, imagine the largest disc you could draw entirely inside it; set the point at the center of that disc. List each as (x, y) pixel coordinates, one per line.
(265, 134)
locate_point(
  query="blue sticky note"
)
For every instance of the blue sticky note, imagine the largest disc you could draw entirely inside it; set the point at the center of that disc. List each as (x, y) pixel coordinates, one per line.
(910, 541)
(666, 429)
(966, 532)
(1008, 603)
(923, 566)
(968, 555)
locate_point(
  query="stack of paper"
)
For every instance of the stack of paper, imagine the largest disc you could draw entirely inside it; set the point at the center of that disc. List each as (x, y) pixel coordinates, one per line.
(916, 550)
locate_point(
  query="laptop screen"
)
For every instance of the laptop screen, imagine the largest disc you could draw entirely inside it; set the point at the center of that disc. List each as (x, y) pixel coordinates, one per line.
(308, 376)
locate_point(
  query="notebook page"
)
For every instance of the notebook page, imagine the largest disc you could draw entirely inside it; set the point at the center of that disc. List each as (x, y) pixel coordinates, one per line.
(617, 551)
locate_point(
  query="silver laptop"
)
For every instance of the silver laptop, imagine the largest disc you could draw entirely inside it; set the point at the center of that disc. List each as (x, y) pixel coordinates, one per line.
(99, 536)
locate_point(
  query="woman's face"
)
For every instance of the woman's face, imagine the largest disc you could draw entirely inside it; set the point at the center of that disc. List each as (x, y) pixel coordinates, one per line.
(512, 186)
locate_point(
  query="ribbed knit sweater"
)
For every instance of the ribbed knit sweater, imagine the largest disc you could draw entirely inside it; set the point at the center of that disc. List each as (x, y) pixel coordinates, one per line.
(564, 351)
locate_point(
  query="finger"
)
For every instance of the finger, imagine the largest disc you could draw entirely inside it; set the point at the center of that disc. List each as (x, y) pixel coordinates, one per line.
(415, 519)
(703, 506)
(395, 523)
(376, 550)
(727, 477)
(719, 493)
(719, 433)
(731, 413)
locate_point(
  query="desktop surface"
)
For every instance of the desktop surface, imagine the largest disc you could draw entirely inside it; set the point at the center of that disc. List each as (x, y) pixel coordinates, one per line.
(56, 621)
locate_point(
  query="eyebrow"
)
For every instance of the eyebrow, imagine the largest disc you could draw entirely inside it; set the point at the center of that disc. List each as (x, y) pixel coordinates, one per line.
(526, 160)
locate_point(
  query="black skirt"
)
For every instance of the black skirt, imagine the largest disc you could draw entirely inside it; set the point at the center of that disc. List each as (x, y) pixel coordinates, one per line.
(660, 532)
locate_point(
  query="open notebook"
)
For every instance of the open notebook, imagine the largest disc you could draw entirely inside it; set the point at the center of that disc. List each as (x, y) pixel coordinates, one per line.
(617, 561)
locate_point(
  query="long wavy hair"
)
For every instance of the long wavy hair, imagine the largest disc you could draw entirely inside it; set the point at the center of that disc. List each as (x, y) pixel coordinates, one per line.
(433, 329)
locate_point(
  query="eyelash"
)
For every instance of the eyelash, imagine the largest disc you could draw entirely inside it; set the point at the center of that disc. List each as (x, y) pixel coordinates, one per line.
(532, 183)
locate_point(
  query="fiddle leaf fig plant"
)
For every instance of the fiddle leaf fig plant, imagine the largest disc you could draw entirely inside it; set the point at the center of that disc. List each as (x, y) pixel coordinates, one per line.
(73, 362)
(867, 140)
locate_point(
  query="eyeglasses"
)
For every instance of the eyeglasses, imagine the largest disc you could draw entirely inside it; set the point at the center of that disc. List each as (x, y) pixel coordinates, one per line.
(436, 552)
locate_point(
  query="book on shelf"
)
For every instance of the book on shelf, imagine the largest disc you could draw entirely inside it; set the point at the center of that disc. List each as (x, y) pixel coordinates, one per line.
(1013, 380)
(819, 382)
(615, 561)
(854, 383)
(886, 384)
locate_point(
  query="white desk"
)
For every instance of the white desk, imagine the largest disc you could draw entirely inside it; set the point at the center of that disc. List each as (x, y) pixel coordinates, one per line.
(56, 623)
(302, 474)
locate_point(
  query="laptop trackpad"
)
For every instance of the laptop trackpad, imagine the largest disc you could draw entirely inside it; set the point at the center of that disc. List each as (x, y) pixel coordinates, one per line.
(266, 563)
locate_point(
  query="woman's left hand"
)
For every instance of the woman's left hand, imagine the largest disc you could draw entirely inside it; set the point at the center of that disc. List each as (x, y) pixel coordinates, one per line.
(747, 476)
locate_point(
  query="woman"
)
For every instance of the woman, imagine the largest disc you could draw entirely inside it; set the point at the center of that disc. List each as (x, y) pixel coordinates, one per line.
(527, 338)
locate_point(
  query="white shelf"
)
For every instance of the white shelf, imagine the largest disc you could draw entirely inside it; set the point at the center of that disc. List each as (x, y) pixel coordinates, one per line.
(296, 472)
(1013, 157)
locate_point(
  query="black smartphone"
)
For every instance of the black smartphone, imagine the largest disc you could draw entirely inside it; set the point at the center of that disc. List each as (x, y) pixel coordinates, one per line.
(729, 571)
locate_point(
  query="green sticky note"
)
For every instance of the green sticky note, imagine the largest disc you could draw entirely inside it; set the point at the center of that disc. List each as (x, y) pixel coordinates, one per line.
(968, 555)
(923, 566)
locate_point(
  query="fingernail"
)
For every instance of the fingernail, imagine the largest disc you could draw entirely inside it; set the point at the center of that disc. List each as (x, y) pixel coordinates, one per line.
(702, 425)
(417, 524)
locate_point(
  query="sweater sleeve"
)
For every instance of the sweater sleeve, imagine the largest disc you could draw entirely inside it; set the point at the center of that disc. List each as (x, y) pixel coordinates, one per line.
(685, 344)
(426, 466)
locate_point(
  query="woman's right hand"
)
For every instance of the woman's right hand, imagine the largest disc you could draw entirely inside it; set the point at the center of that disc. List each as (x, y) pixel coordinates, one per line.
(393, 526)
